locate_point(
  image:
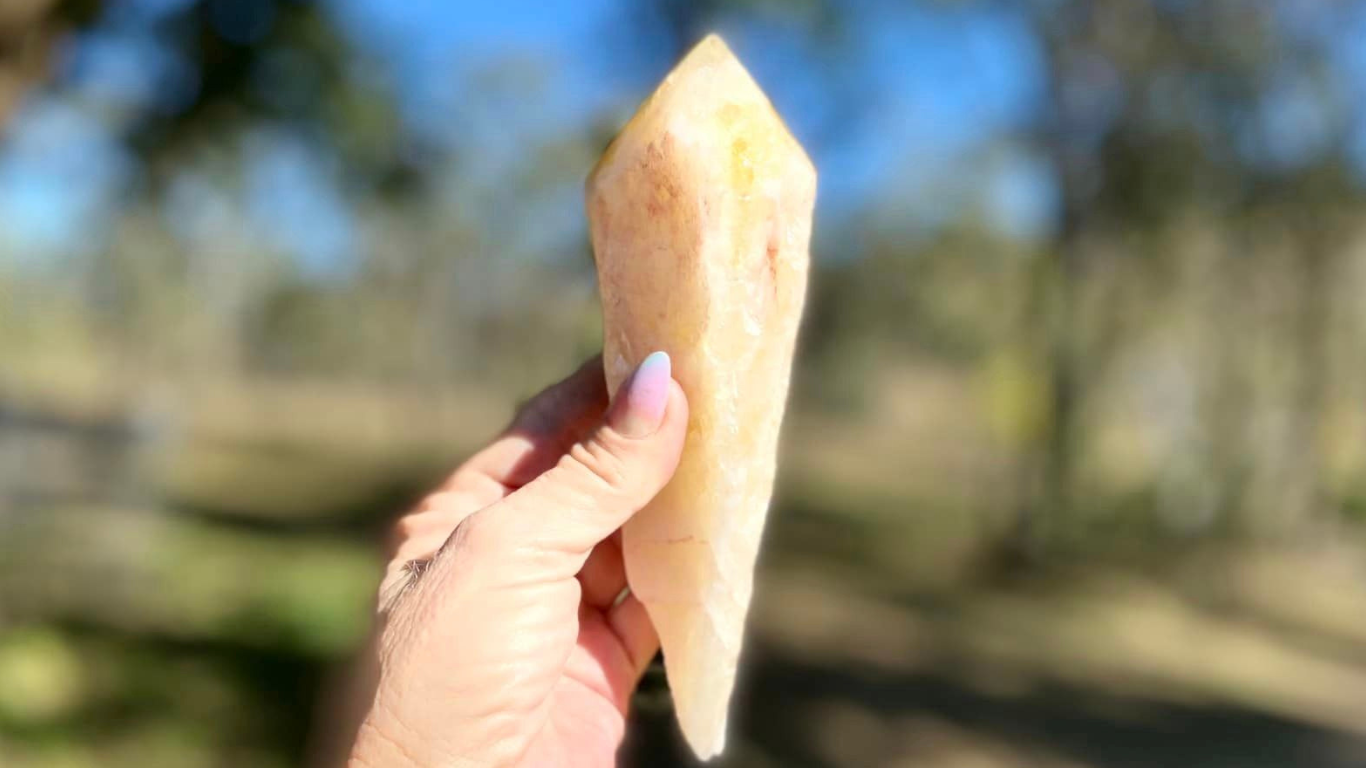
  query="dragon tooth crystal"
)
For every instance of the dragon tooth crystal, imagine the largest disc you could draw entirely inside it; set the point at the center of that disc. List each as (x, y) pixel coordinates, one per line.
(700, 214)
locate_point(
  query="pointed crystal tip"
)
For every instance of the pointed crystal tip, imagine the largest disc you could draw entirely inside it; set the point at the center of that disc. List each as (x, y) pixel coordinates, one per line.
(700, 214)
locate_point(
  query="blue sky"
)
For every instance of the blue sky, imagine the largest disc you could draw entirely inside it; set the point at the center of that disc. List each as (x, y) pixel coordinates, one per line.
(929, 84)
(895, 112)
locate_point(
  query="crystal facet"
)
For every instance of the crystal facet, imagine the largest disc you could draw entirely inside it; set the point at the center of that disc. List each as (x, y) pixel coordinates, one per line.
(700, 213)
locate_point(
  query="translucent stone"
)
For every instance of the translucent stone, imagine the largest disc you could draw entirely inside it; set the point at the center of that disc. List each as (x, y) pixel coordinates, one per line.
(700, 213)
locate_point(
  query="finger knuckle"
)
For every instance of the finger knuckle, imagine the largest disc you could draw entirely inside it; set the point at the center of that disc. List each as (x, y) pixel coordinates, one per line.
(429, 512)
(407, 527)
(434, 502)
(403, 530)
(467, 533)
(606, 468)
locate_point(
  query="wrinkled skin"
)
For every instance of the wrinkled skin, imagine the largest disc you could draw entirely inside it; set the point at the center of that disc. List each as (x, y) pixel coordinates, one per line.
(506, 636)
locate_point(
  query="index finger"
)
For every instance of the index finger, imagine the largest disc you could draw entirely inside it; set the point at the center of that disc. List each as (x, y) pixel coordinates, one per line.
(542, 431)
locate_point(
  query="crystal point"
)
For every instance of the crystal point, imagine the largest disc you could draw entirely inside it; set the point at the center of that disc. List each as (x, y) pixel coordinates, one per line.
(700, 214)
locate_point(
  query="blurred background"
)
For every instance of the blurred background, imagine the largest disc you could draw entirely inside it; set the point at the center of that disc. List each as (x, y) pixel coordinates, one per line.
(1073, 474)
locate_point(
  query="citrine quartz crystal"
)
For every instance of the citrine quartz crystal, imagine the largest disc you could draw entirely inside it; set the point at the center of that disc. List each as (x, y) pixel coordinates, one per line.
(700, 213)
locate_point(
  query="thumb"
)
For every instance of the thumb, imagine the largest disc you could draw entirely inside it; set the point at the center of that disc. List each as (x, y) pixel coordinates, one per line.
(610, 474)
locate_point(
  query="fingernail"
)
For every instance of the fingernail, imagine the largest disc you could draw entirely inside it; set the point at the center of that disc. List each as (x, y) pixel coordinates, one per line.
(639, 409)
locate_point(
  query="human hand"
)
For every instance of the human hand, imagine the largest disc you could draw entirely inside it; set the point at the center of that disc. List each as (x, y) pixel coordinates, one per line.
(507, 636)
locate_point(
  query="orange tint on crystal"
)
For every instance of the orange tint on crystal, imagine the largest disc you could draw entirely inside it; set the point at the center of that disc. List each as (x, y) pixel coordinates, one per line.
(700, 213)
